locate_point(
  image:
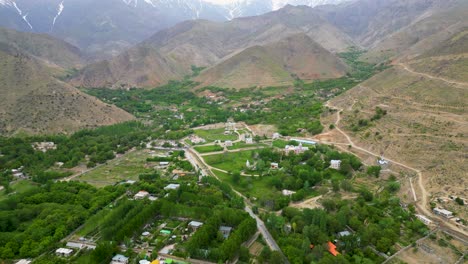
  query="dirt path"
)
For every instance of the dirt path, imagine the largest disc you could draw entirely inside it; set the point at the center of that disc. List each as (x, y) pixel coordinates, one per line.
(421, 204)
(405, 67)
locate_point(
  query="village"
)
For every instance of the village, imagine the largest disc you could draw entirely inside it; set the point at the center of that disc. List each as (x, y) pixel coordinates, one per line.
(185, 163)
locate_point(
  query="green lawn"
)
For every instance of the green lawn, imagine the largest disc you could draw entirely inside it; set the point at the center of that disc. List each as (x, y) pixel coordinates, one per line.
(250, 186)
(234, 161)
(18, 187)
(128, 167)
(239, 145)
(207, 149)
(215, 134)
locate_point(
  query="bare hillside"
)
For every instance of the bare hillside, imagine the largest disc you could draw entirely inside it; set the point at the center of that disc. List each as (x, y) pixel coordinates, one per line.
(34, 102)
(275, 64)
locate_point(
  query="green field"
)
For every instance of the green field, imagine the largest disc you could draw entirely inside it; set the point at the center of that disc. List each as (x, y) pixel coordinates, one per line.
(250, 186)
(128, 167)
(207, 149)
(239, 145)
(234, 161)
(18, 187)
(214, 134)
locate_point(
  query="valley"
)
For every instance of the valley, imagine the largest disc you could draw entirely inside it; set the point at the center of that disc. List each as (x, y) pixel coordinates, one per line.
(267, 132)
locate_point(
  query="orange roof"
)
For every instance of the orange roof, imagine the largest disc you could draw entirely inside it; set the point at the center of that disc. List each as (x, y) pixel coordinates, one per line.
(332, 249)
(312, 246)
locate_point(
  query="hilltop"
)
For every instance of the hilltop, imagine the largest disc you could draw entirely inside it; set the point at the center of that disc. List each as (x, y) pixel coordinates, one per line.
(425, 122)
(297, 56)
(35, 102)
(205, 43)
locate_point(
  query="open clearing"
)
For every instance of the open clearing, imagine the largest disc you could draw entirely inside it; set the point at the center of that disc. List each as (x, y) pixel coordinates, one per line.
(128, 167)
(211, 135)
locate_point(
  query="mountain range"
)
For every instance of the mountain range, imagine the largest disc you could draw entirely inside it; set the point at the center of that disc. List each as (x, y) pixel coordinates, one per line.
(106, 27)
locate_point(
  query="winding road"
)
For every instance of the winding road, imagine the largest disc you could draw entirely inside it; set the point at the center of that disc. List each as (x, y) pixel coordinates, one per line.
(421, 204)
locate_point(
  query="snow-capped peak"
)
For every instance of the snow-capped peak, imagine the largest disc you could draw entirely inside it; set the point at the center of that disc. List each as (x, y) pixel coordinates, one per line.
(6, 2)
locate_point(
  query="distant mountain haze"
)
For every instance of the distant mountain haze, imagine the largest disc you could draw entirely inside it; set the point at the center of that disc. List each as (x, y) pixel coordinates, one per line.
(103, 28)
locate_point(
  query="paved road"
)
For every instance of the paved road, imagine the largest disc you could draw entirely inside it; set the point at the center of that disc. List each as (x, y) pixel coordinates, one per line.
(248, 208)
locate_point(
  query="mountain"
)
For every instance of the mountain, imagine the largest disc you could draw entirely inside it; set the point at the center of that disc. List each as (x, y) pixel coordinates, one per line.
(104, 28)
(35, 102)
(427, 32)
(426, 122)
(51, 51)
(275, 64)
(206, 43)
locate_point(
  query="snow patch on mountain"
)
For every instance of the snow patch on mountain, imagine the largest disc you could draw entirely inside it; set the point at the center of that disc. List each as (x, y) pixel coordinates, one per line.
(59, 12)
(25, 17)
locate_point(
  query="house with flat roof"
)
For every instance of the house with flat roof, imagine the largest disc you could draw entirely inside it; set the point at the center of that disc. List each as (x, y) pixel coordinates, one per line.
(274, 166)
(225, 231)
(23, 261)
(424, 219)
(194, 225)
(172, 186)
(63, 252)
(119, 259)
(228, 143)
(141, 195)
(335, 164)
(443, 212)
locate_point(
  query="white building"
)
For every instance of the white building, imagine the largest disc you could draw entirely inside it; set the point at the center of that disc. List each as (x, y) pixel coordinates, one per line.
(276, 135)
(296, 149)
(225, 231)
(443, 212)
(335, 164)
(141, 195)
(23, 261)
(172, 186)
(424, 219)
(287, 192)
(228, 143)
(163, 164)
(249, 140)
(274, 166)
(194, 225)
(119, 259)
(64, 252)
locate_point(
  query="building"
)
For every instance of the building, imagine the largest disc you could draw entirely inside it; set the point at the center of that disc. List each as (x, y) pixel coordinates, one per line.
(274, 166)
(144, 261)
(225, 231)
(63, 252)
(443, 212)
(249, 140)
(119, 259)
(163, 164)
(141, 195)
(44, 146)
(287, 192)
(344, 233)
(172, 186)
(196, 139)
(424, 219)
(276, 136)
(296, 149)
(228, 143)
(332, 249)
(80, 245)
(23, 261)
(194, 225)
(335, 164)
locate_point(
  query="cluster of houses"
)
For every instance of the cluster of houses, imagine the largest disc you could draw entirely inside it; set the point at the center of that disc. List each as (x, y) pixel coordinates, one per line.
(296, 149)
(194, 139)
(18, 173)
(44, 146)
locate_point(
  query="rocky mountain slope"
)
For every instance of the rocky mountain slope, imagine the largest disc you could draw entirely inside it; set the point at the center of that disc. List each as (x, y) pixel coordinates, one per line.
(206, 43)
(106, 27)
(426, 121)
(35, 102)
(275, 64)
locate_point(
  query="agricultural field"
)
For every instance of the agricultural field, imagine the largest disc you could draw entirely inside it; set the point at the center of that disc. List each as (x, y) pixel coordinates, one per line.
(233, 161)
(208, 149)
(215, 134)
(127, 167)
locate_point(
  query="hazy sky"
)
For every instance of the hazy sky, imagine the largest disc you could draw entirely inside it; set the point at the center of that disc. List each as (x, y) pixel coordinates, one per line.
(220, 1)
